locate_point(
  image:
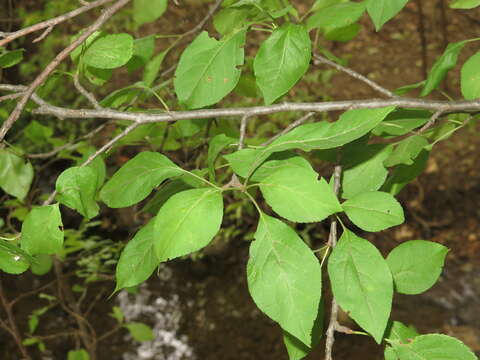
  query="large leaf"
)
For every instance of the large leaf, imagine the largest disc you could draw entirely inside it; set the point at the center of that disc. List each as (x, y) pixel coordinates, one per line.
(284, 278)
(137, 178)
(138, 260)
(470, 79)
(148, 10)
(351, 125)
(282, 60)
(77, 188)
(361, 283)
(16, 175)
(208, 69)
(374, 211)
(187, 222)
(433, 346)
(416, 265)
(381, 11)
(109, 52)
(440, 68)
(42, 231)
(296, 194)
(336, 16)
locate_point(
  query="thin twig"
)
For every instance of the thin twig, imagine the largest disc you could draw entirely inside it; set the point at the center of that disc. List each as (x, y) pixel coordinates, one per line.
(202, 23)
(289, 128)
(355, 75)
(430, 122)
(15, 114)
(8, 37)
(90, 97)
(243, 130)
(45, 33)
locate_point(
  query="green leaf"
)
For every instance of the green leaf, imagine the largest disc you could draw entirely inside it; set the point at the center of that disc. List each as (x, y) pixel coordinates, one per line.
(135, 180)
(96, 76)
(78, 355)
(11, 58)
(140, 331)
(187, 222)
(208, 69)
(16, 175)
(38, 133)
(296, 194)
(117, 314)
(143, 49)
(403, 174)
(77, 189)
(42, 231)
(152, 68)
(465, 4)
(282, 60)
(351, 125)
(343, 34)
(374, 211)
(13, 260)
(138, 260)
(336, 16)
(230, 19)
(443, 64)
(109, 52)
(416, 265)
(470, 77)
(401, 122)
(433, 346)
(145, 11)
(165, 191)
(284, 278)
(364, 169)
(361, 283)
(406, 151)
(401, 332)
(381, 11)
(215, 146)
(42, 264)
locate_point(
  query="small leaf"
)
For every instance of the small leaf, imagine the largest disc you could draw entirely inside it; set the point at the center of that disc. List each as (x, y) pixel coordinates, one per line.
(42, 264)
(152, 68)
(208, 69)
(296, 194)
(215, 146)
(374, 211)
(401, 332)
(361, 283)
(138, 260)
(230, 19)
(433, 346)
(440, 68)
(117, 314)
(470, 78)
(16, 175)
(135, 180)
(145, 11)
(465, 4)
(77, 189)
(109, 52)
(381, 11)
(42, 231)
(284, 278)
(143, 49)
(38, 133)
(282, 60)
(140, 331)
(13, 260)
(416, 265)
(401, 122)
(78, 355)
(406, 151)
(336, 16)
(187, 222)
(11, 58)
(404, 174)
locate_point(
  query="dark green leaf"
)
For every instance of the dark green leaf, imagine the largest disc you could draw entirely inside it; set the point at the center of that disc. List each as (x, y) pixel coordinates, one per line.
(142, 52)
(164, 193)
(406, 151)
(403, 174)
(37, 132)
(109, 52)
(16, 175)
(401, 122)
(11, 58)
(152, 68)
(230, 19)
(215, 146)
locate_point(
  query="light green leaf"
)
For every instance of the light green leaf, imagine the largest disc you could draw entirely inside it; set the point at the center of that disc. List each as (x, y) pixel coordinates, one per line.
(296, 194)
(416, 265)
(374, 211)
(77, 189)
(403, 174)
(145, 11)
(140, 331)
(109, 52)
(135, 180)
(11, 58)
(42, 264)
(284, 278)
(42, 231)
(401, 122)
(406, 151)
(361, 283)
(16, 175)
(78, 355)
(230, 19)
(465, 4)
(138, 260)
(143, 49)
(187, 222)
(282, 60)
(208, 69)
(152, 68)
(443, 64)
(336, 16)
(215, 146)
(470, 77)
(38, 133)
(381, 11)
(13, 260)
(433, 346)
(401, 332)
(364, 169)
